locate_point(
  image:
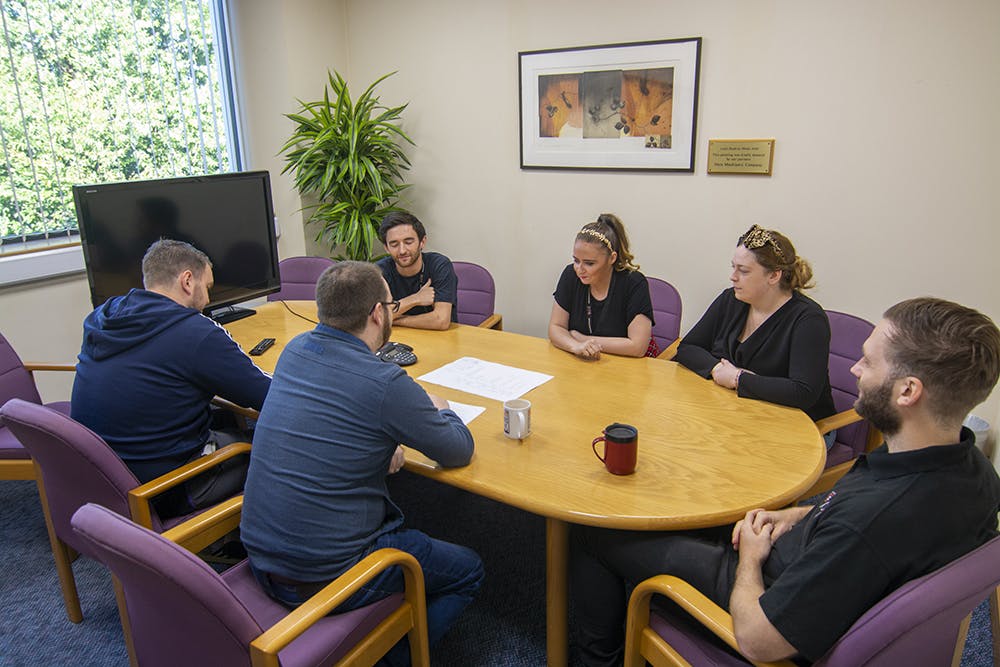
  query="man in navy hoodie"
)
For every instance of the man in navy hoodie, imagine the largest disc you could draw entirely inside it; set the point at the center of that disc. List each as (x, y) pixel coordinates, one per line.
(148, 369)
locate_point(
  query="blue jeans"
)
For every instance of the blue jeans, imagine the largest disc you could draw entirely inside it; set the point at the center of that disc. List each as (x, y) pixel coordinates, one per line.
(452, 576)
(830, 438)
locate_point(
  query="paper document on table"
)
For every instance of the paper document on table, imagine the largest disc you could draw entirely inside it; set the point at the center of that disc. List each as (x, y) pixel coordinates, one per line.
(485, 378)
(465, 411)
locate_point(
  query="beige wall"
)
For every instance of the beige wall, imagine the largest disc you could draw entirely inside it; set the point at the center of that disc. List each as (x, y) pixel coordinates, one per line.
(883, 112)
(884, 115)
(282, 52)
(43, 322)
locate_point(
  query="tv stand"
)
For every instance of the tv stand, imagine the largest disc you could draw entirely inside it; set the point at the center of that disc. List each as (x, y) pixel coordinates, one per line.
(228, 314)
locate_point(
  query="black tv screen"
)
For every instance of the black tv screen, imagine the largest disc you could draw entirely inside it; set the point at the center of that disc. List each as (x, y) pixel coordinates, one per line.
(230, 217)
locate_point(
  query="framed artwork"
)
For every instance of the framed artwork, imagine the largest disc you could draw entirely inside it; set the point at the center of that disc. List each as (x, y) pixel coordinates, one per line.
(613, 107)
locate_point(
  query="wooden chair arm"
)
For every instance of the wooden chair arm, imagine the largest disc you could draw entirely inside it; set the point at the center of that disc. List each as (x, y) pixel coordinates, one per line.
(31, 367)
(839, 420)
(205, 528)
(671, 350)
(220, 402)
(875, 439)
(826, 480)
(692, 601)
(494, 321)
(264, 650)
(139, 498)
(832, 475)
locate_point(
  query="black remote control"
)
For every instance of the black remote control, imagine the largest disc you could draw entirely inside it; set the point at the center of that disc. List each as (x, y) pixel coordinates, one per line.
(261, 347)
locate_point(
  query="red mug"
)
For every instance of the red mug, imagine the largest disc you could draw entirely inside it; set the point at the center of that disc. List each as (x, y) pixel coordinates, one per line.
(621, 447)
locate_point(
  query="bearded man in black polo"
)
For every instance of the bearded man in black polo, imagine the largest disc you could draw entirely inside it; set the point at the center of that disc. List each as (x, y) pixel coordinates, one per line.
(796, 579)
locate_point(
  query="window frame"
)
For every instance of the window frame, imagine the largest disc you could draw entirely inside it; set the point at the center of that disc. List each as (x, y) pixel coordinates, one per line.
(56, 257)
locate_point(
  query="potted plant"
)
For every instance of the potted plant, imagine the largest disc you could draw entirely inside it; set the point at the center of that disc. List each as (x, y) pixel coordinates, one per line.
(347, 155)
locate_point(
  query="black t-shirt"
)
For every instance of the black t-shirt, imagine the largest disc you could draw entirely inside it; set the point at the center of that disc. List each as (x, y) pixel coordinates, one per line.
(891, 519)
(437, 268)
(628, 296)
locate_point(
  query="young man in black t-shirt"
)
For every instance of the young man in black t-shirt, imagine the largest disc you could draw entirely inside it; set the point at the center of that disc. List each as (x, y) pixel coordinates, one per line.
(424, 283)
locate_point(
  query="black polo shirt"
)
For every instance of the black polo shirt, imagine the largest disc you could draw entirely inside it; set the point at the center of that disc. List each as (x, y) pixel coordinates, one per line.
(891, 519)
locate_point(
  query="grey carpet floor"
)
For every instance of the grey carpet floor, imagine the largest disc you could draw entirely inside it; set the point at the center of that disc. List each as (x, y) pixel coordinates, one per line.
(505, 626)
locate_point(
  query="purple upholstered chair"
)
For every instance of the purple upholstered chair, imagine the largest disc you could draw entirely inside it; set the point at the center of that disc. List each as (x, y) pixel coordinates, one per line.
(298, 278)
(476, 296)
(176, 610)
(855, 436)
(924, 622)
(16, 381)
(847, 334)
(76, 467)
(667, 313)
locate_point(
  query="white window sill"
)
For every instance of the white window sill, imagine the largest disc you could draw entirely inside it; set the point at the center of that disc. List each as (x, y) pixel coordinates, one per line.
(29, 267)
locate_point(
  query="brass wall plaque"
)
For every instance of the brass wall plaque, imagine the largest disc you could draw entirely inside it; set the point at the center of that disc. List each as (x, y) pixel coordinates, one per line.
(740, 156)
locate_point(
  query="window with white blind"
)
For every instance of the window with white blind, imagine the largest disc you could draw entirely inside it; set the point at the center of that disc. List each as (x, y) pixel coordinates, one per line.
(102, 91)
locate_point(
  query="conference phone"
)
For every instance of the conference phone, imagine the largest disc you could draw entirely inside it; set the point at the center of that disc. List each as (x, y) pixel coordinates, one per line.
(397, 353)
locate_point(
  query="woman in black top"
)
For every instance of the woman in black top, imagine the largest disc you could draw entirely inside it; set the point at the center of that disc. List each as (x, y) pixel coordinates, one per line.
(762, 337)
(602, 301)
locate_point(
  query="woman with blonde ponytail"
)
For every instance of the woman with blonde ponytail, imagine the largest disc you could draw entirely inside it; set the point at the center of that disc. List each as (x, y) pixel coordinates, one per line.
(762, 337)
(602, 301)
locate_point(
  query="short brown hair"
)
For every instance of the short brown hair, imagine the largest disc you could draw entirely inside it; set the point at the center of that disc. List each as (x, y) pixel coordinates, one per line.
(952, 349)
(397, 218)
(346, 294)
(166, 259)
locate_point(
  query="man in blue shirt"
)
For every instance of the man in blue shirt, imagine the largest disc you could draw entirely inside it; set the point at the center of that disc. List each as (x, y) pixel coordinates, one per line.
(424, 283)
(148, 369)
(316, 499)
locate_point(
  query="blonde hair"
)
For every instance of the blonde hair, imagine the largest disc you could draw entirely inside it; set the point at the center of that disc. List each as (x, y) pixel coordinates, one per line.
(609, 232)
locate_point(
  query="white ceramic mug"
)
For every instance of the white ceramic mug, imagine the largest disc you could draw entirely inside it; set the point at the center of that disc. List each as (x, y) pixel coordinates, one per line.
(517, 418)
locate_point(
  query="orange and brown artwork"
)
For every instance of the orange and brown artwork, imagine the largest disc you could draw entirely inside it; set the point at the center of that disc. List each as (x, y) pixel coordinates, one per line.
(648, 97)
(559, 105)
(608, 104)
(601, 94)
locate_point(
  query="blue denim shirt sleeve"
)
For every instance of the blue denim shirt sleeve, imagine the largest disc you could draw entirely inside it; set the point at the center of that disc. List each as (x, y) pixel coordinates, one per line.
(411, 419)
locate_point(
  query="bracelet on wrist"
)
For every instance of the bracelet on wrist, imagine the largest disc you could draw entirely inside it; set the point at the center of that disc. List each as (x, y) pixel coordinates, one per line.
(736, 382)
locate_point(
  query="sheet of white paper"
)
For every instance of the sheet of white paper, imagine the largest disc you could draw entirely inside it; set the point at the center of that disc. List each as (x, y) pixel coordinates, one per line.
(485, 378)
(465, 411)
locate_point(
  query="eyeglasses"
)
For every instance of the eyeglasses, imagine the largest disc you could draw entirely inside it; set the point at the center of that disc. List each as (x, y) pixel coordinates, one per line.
(758, 237)
(394, 304)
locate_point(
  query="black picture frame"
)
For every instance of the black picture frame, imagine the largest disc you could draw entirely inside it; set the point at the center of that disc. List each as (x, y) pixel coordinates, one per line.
(612, 107)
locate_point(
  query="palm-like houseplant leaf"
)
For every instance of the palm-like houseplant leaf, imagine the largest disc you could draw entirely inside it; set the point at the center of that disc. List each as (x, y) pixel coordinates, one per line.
(347, 154)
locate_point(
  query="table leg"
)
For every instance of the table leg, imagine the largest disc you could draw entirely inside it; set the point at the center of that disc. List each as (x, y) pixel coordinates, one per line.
(556, 607)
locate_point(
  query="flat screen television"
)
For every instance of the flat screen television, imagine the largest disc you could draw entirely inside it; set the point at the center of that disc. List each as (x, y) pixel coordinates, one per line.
(230, 217)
